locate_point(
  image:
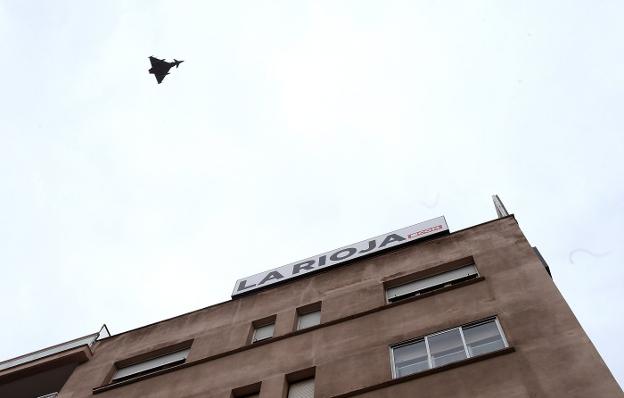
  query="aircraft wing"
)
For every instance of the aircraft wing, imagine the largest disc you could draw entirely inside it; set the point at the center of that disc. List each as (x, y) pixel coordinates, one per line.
(160, 77)
(155, 61)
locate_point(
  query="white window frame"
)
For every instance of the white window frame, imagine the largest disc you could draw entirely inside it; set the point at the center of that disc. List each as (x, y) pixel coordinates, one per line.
(442, 332)
(412, 341)
(426, 341)
(498, 326)
(263, 325)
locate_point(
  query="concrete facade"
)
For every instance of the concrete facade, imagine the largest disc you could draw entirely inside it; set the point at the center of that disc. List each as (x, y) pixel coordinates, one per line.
(348, 353)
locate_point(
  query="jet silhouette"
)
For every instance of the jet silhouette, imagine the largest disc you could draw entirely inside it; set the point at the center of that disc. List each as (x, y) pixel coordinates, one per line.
(160, 67)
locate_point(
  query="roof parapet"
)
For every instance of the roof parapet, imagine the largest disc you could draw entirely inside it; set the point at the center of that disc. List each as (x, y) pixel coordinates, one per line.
(55, 349)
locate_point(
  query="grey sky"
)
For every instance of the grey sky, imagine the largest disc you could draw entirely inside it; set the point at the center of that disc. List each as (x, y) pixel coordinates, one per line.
(294, 128)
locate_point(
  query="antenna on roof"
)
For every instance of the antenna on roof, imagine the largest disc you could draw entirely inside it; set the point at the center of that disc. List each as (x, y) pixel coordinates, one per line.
(500, 207)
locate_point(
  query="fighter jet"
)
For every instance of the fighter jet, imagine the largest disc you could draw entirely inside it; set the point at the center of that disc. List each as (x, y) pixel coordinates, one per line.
(160, 67)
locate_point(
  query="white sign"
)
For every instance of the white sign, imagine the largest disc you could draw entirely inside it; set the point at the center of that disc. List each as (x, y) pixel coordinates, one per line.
(334, 257)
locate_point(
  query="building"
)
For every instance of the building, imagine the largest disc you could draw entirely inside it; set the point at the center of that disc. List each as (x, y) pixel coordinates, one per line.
(44, 372)
(419, 312)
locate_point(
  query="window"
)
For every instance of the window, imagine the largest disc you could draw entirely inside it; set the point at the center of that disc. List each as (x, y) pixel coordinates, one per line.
(483, 338)
(309, 315)
(262, 329)
(301, 389)
(448, 346)
(308, 320)
(410, 358)
(431, 283)
(151, 365)
(263, 332)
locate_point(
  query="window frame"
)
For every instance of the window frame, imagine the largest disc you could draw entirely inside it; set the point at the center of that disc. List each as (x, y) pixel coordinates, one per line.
(461, 335)
(299, 376)
(120, 365)
(498, 327)
(406, 280)
(291, 383)
(461, 332)
(256, 328)
(307, 310)
(260, 323)
(300, 316)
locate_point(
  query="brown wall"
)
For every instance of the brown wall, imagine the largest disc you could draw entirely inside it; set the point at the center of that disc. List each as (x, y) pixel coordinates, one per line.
(350, 350)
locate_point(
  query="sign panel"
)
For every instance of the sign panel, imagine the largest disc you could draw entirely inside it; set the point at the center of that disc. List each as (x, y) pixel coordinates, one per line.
(335, 257)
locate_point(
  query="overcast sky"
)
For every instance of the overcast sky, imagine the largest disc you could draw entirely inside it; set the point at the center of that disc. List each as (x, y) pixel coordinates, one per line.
(294, 128)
